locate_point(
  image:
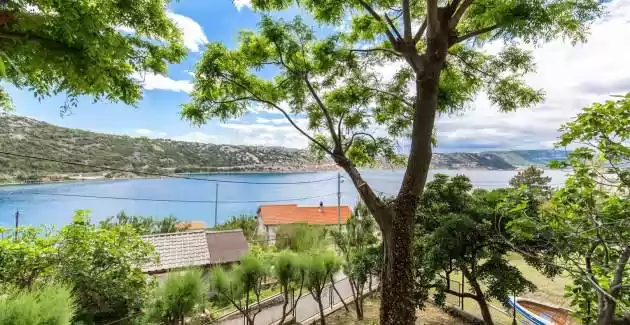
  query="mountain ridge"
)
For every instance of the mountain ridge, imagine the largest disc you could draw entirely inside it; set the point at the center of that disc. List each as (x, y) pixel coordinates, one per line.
(30, 137)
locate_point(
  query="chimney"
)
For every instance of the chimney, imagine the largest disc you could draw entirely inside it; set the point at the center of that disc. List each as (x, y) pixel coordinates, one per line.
(321, 206)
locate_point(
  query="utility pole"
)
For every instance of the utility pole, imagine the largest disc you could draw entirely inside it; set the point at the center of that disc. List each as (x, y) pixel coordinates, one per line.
(339, 200)
(17, 223)
(216, 204)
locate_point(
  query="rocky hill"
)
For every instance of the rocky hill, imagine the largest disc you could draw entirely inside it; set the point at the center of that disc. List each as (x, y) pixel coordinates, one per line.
(35, 138)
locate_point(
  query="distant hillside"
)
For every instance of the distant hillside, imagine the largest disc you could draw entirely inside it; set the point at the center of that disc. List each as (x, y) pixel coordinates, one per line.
(31, 137)
(35, 138)
(497, 159)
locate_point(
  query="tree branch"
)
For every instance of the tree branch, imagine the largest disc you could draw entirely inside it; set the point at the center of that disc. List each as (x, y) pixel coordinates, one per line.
(619, 270)
(459, 13)
(376, 16)
(461, 294)
(420, 31)
(433, 22)
(355, 135)
(329, 121)
(377, 49)
(475, 33)
(384, 92)
(469, 65)
(392, 26)
(406, 20)
(284, 112)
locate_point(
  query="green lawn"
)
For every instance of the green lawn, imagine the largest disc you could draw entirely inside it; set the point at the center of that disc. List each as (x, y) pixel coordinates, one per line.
(549, 291)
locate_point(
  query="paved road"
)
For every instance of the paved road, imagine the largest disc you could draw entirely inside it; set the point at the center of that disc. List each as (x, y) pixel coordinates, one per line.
(306, 307)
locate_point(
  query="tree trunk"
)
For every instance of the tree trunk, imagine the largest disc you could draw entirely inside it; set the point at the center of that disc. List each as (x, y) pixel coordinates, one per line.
(397, 283)
(284, 306)
(481, 300)
(322, 319)
(332, 284)
(396, 219)
(485, 310)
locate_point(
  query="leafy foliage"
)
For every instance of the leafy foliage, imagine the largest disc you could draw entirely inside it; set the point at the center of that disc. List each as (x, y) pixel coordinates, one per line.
(103, 266)
(100, 265)
(587, 220)
(321, 265)
(289, 269)
(300, 237)
(360, 247)
(532, 178)
(177, 297)
(50, 304)
(242, 282)
(52, 47)
(459, 230)
(437, 68)
(244, 222)
(31, 258)
(143, 225)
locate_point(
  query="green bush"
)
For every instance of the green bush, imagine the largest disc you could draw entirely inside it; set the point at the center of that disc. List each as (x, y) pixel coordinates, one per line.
(178, 297)
(47, 305)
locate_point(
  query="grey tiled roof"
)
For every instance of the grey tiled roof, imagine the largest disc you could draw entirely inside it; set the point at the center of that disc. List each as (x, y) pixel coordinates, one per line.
(226, 246)
(179, 249)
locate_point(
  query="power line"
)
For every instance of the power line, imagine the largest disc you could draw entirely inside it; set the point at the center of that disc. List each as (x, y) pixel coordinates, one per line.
(174, 200)
(163, 175)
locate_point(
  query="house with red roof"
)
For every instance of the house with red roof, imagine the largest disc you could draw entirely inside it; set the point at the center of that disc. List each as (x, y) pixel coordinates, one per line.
(270, 216)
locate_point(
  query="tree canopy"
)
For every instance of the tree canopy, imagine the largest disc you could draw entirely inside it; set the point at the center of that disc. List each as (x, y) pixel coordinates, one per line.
(99, 49)
(586, 222)
(356, 115)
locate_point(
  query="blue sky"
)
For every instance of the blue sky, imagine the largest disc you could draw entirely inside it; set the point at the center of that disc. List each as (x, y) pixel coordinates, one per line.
(571, 76)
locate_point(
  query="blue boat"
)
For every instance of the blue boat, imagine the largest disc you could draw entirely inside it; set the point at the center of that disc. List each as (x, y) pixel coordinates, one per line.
(530, 312)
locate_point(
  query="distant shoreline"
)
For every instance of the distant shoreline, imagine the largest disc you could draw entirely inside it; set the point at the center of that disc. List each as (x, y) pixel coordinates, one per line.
(228, 171)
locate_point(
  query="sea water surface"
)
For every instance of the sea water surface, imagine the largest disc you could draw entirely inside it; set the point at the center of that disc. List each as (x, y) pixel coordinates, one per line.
(54, 204)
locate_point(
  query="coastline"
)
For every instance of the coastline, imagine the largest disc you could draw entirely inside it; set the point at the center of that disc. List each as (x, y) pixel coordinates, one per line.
(69, 179)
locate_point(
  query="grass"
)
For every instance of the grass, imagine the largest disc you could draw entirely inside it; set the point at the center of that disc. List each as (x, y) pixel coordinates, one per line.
(430, 316)
(549, 291)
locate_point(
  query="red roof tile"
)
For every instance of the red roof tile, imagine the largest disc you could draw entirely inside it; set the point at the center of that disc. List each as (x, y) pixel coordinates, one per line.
(292, 213)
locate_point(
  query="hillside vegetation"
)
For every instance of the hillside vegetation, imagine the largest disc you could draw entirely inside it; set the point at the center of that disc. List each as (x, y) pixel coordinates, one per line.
(27, 136)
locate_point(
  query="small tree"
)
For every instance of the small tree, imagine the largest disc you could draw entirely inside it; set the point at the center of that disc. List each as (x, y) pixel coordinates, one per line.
(300, 237)
(49, 304)
(30, 258)
(241, 284)
(457, 231)
(358, 244)
(244, 222)
(587, 220)
(533, 178)
(290, 271)
(319, 268)
(103, 267)
(178, 297)
(144, 225)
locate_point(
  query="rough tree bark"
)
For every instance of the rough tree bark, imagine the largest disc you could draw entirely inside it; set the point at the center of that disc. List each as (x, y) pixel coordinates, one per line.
(608, 306)
(396, 219)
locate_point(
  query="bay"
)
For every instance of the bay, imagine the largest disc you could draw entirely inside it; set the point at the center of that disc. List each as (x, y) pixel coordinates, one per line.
(54, 204)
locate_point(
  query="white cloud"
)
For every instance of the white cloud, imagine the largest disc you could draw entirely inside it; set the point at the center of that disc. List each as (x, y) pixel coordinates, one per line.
(194, 37)
(239, 4)
(571, 76)
(152, 81)
(149, 133)
(256, 134)
(275, 121)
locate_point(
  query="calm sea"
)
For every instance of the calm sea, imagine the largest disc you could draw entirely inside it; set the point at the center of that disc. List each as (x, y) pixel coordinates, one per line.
(37, 206)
